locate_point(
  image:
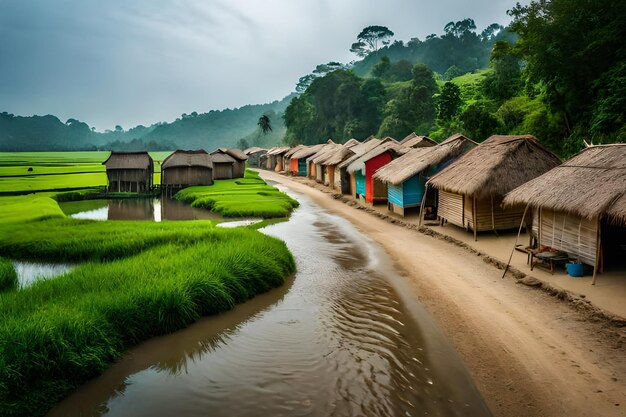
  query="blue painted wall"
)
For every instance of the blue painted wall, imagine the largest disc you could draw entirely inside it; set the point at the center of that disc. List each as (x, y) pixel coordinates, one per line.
(408, 193)
(360, 183)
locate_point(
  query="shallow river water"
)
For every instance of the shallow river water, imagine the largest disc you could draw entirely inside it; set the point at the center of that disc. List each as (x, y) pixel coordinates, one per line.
(341, 338)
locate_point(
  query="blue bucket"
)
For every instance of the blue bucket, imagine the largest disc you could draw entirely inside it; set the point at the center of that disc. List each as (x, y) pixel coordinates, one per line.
(574, 270)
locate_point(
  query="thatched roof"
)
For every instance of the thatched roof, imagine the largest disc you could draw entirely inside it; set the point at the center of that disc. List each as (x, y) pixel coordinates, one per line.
(238, 154)
(358, 150)
(128, 160)
(254, 149)
(420, 159)
(496, 166)
(180, 158)
(293, 150)
(278, 150)
(417, 142)
(222, 158)
(590, 184)
(359, 163)
(307, 151)
(324, 153)
(351, 142)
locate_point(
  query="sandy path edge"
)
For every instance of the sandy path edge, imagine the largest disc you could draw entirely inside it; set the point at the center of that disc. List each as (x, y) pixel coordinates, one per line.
(529, 354)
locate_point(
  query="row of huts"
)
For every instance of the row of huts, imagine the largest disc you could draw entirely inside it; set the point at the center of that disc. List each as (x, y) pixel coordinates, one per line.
(578, 207)
(134, 171)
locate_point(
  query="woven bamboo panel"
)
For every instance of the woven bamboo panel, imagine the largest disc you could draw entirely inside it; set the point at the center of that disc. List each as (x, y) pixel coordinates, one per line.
(493, 217)
(571, 234)
(450, 207)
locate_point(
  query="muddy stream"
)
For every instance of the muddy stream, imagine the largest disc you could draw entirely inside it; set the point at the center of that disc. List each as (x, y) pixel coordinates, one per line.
(343, 337)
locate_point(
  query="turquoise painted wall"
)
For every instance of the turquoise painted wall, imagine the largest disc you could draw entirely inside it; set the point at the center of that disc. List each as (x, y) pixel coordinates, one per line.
(360, 183)
(302, 167)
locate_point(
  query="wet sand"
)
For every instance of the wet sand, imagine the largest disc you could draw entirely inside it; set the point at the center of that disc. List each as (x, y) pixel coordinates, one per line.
(529, 354)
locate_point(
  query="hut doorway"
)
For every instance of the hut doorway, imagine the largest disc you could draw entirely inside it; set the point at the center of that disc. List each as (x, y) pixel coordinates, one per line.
(613, 244)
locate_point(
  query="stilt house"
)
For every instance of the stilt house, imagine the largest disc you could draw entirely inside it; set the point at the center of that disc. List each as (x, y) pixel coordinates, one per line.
(129, 172)
(580, 206)
(471, 189)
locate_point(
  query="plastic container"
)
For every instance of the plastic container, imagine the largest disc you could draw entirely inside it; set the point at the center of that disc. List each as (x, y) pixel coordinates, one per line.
(574, 270)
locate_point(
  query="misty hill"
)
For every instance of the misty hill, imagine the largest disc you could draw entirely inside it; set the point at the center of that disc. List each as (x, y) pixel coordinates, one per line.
(204, 130)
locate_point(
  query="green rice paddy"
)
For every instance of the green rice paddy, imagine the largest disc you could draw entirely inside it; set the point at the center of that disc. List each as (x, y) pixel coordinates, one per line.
(134, 279)
(249, 196)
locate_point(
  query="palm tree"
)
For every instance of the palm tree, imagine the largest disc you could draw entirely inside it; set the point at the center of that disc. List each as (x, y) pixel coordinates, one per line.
(265, 124)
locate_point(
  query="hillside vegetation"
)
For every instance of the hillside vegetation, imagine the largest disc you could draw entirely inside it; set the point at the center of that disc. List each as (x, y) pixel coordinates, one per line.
(542, 76)
(191, 131)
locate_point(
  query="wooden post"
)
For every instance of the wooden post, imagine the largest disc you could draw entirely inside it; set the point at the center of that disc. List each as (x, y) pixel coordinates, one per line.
(422, 206)
(474, 216)
(493, 220)
(598, 248)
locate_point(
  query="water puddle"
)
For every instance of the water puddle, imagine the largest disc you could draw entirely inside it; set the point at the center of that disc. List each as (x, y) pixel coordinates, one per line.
(30, 272)
(343, 338)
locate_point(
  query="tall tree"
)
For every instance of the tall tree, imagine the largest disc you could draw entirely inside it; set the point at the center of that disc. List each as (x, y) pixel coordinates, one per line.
(265, 124)
(449, 101)
(371, 39)
(504, 81)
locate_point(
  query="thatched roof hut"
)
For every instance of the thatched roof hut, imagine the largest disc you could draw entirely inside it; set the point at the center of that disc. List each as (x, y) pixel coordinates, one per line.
(228, 163)
(367, 164)
(253, 150)
(275, 158)
(590, 184)
(129, 171)
(297, 160)
(185, 168)
(496, 166)
(420, 159)
(471, 188)
(414, 141)
(575, 201)
(255, 155)
(406, 175)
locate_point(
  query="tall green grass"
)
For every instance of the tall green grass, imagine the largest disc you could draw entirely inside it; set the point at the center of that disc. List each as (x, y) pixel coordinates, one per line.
(244, 197)
(58, 333)
(8, 276)
(74, 240)
(28, 207)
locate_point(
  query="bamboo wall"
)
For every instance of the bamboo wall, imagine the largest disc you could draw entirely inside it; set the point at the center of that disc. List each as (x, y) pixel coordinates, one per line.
(450, 206)
(239, 169)
(572, 234)
(491, 216)
(223, 171)
(184, 176)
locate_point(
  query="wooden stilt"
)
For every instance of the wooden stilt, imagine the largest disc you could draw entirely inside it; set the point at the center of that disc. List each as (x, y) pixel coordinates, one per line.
(598, 249)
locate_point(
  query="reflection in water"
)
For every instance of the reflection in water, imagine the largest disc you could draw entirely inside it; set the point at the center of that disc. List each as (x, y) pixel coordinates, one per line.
(336, 342)
(141, 209)
(29, 272)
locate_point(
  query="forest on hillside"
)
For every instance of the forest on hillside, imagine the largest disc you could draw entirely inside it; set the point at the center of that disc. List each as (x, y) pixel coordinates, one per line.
(558, 72)
(190, 131)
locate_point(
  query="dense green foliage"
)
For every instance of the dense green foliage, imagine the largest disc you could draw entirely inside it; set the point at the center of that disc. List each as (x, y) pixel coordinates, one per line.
(8, 276)
(190, 131)
(58, 333)
(575, 58)
(543, 76)
(245, 197)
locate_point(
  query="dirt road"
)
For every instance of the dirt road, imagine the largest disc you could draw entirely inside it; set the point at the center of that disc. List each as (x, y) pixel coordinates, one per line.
(529, 353)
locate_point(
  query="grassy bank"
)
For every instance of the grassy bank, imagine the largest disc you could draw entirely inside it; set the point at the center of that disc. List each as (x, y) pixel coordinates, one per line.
(8, 276)
(58, 333)
(243, 197)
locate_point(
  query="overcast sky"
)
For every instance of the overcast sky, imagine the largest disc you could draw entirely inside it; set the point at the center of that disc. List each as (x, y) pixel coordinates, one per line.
(135, 62)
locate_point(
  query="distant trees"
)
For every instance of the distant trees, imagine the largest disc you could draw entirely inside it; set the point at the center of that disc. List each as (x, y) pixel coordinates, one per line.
(505, 79)
(449, 102)
(392, 72)
(243, 144)
(370, 39)
(321, 70)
